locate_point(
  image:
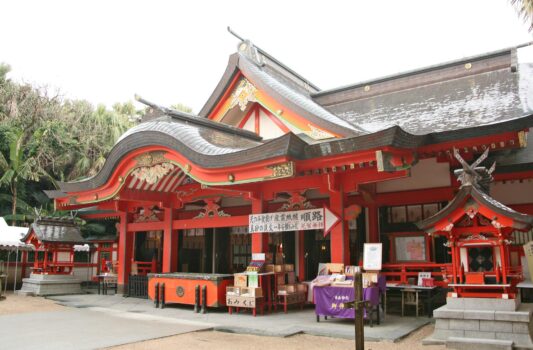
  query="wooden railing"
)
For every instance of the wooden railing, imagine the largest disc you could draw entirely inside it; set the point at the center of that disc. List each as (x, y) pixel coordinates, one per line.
(138, 286)
(400, 273)
(145, 267)
(443, 273)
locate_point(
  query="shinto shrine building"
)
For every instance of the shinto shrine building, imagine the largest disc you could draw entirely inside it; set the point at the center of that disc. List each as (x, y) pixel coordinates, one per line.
(378, 154)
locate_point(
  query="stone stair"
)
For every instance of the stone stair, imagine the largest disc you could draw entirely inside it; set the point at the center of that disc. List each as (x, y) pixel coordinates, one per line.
(487, 319)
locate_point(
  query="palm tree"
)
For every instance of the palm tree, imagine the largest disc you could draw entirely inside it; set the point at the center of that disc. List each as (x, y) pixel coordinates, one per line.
(525, 10)
(18, 168)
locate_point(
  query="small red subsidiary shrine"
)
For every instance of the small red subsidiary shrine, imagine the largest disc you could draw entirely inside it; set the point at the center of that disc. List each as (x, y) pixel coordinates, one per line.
(54, 240)
(378, 154)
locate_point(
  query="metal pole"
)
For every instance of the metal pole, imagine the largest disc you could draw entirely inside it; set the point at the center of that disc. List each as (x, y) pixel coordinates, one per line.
(359, 310)
(16, 270)
(89, 267)
(7, 270)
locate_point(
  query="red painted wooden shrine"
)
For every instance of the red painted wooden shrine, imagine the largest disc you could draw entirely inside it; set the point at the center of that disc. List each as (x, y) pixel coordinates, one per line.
(54, 240)
(268, 140)
(478, 229)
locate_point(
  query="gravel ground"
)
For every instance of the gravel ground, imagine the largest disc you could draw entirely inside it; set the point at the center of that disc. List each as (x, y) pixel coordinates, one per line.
(16, 304)
(222, 341)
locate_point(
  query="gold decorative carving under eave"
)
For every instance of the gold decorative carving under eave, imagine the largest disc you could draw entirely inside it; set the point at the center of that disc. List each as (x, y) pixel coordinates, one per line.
(211, 209)
(244, 93)
(152, 217)
(152, 174)
(282, 170)
(297, 201)
(151, 158)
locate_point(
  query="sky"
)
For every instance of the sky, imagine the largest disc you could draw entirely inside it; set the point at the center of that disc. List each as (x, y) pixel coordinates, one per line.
(176, 51)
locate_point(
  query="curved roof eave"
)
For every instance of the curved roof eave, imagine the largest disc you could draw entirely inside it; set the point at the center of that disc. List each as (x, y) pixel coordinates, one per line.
(287, 145)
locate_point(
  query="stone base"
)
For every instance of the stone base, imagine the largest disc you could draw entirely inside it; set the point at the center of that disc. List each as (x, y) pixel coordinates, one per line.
(43, 285)
(464, 322)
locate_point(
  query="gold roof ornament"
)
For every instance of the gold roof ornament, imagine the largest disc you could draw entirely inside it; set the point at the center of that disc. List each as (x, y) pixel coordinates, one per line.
(243, 94)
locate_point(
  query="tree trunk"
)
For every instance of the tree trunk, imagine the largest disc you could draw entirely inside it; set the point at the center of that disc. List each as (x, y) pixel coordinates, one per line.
(14, 210)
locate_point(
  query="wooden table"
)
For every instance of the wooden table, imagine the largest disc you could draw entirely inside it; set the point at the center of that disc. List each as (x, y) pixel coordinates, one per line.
(297, 298)
(329, 300)
(427, 291)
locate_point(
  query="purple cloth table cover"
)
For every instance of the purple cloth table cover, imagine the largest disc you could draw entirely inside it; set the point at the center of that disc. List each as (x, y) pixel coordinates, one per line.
(328, 300)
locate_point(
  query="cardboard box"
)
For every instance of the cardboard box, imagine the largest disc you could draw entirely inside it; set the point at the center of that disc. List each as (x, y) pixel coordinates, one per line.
(289, 267)
(251, 292)
(280, 279)
(335, 268)
(234, 291)
(240, 280)
(301, 288)
(291, 277)
(290, 288)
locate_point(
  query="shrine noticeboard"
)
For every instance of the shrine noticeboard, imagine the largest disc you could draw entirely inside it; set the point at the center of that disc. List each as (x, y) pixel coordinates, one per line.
(410, 248)
(528, 252)
(372, 256)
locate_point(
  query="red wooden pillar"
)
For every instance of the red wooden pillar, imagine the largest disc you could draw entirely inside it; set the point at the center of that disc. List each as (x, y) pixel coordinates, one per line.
(125, 250)
(170, 244)
(373, 223)
(259, 240)
(454, 261)
(339, 236)
(503, 261)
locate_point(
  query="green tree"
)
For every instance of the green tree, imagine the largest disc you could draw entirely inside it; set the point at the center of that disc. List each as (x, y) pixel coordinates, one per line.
(181, 107)
(525, 10)
(18, 168)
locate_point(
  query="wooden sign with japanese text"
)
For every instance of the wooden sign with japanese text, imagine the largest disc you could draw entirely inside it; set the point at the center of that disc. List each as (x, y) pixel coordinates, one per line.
(310, 219)
(528, 252)
(240, 301)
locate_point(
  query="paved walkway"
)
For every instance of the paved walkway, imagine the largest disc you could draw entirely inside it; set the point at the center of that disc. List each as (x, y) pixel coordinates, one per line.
(83, 329)
(275, 324)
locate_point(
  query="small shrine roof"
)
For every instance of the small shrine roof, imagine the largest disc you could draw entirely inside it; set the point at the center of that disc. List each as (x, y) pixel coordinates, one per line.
(520, 221)
(58, 230)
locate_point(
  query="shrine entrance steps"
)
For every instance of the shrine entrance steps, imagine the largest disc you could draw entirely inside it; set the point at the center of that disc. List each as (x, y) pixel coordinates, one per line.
(483, 323)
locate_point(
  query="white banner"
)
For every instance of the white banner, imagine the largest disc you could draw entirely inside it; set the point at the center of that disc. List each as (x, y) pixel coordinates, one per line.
(310, 219)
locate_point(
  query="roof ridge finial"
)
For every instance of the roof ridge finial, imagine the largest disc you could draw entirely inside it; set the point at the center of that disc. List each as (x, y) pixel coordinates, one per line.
(472, 174)
(247, 48)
